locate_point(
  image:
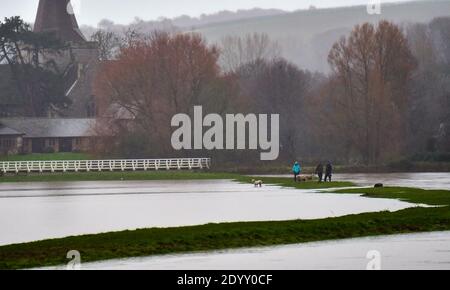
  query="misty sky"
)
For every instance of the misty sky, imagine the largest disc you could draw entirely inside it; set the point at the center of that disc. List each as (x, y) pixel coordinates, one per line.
(124, 11)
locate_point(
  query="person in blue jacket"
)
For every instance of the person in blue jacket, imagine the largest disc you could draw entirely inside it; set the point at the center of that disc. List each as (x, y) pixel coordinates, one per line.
(296, 169)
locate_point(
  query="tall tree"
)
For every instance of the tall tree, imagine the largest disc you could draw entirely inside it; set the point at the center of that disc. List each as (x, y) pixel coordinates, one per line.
(373, 67)
(278, 87)
(39, 80)
(160, 76)
(430, 99)
(440, 28)
(237, 51)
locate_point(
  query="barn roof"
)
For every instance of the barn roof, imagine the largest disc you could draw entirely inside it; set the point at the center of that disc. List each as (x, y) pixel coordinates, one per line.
(6, 131)
(50, 128)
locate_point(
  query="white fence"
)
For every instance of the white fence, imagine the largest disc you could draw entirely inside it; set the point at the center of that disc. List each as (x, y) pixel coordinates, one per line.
(104, 165)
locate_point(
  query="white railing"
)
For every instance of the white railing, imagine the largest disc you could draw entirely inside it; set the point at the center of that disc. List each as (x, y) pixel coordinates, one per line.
(104, 165)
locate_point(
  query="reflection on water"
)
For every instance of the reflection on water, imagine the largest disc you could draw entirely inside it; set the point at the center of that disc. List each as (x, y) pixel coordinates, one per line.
(415, 251)
(36, 211)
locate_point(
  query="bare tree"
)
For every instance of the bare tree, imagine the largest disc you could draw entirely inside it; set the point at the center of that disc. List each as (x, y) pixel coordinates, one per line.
(278, 87)
(237, 51)
(156, 78)
(440, 28)
(108, 44)
(373, 68)
(430, 92)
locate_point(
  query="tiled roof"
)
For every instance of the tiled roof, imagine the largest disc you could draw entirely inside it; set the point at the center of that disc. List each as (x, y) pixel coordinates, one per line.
(6, 131)
(50, 128)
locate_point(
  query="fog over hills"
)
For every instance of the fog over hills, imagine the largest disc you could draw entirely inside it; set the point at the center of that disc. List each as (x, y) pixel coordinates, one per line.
(305, 36)
(224, 16)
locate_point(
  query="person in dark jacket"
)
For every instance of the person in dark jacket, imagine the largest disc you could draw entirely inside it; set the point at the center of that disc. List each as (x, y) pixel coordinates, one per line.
(328, 172)
(319, 171)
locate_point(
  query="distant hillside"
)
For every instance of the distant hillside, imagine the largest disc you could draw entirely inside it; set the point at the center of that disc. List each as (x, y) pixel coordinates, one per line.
(183, 22)
(306, 36)
(223, 16)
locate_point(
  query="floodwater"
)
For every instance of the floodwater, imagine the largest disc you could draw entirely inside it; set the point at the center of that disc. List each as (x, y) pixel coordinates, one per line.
(37, 211)
(399, 252)
(419, 180)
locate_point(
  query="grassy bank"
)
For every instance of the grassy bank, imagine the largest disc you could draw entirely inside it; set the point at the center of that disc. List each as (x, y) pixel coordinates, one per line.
(146, 242)
(289, 182)
(413, 195)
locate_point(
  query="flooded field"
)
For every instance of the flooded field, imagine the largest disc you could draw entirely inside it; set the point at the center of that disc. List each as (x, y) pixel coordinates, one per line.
(36, 211)
(419, 180)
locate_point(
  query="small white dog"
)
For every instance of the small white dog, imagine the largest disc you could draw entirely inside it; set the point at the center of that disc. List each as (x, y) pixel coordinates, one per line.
(257, 183)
